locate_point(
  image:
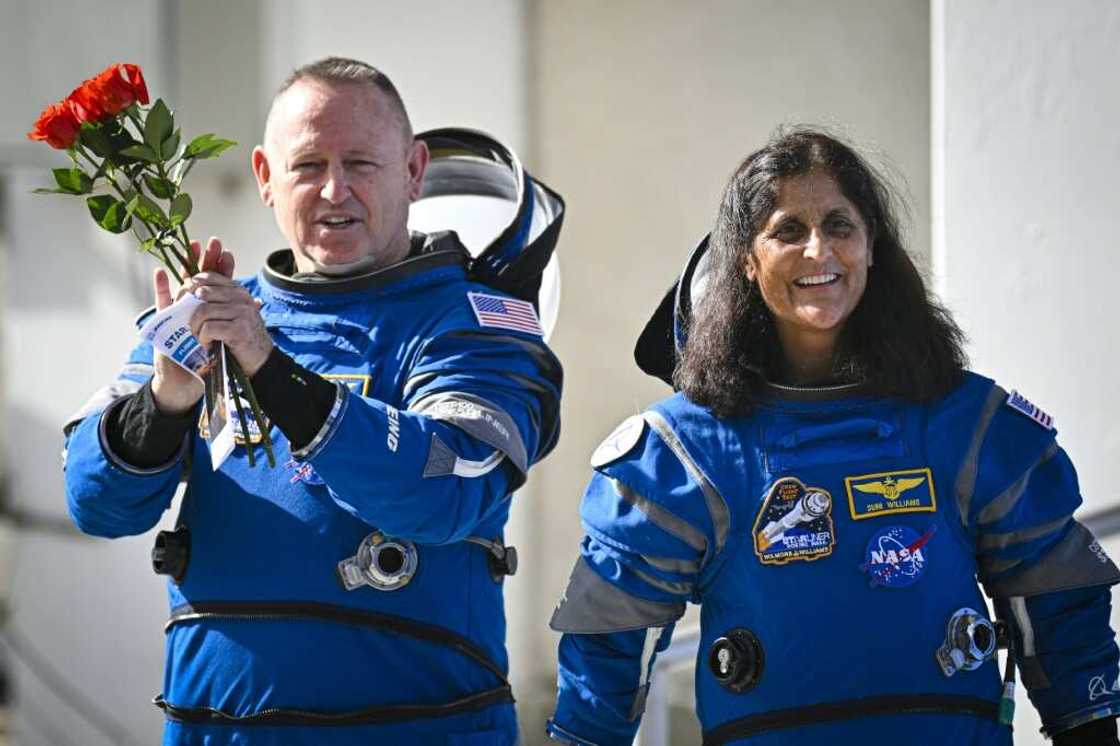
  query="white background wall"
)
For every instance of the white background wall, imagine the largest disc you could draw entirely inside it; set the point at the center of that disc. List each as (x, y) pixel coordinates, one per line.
(91, 609)
(636, 111)
(1025, 153)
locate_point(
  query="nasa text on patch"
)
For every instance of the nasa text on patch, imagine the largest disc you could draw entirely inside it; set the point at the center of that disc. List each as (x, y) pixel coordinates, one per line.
(896, 556)
(794, 523)
(890, 493)
(1022, 405)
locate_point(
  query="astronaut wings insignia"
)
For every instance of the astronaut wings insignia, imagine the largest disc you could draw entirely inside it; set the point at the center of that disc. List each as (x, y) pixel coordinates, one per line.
(890, 487)
(891, 492)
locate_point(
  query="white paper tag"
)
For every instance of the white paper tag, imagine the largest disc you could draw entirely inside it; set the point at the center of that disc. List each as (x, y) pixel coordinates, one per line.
(219, 412)
(169, 332)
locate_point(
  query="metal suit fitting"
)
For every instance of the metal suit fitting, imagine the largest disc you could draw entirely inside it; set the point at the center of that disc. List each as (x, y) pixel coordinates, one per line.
(382, 563)
(736, 660)
(970, 640)
(500, 559)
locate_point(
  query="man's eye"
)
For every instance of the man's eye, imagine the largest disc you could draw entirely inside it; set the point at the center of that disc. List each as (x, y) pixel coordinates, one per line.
(361, 164)
(305, 166)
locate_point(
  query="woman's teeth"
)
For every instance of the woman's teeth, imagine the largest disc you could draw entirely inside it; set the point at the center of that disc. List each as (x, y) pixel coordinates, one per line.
(816, 280)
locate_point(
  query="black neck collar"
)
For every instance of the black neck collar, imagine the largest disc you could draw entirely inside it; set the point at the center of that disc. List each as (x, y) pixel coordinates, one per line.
(428, 251)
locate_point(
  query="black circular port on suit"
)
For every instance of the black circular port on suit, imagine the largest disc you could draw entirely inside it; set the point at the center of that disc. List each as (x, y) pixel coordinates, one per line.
(390, 560)
(736, 660)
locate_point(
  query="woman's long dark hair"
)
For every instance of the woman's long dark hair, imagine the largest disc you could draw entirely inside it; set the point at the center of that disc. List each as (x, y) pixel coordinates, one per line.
(898, 340)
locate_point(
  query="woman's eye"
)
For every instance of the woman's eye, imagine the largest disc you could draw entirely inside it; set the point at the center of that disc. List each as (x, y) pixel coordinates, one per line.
(840, 227)
(788, 231)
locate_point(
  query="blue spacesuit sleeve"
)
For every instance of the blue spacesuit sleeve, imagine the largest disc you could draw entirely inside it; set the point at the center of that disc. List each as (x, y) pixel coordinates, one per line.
(598, 703)
(650, 535)
(105, 495)
(478, 409)
(1049, 576)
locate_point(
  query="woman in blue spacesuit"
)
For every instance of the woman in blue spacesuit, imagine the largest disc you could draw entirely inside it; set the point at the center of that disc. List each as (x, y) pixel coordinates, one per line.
(829, 483)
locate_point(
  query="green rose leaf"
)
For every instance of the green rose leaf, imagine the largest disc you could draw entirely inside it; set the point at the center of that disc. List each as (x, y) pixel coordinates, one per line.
(219, 147)
(108, 140)
(170, 145)
(119, 139)
(180, 209)
(198, 144)
(142, 152)
(207, 146)
(72, 180)
(94, 137)
(147, 210)
(159, 125)
(110, 213)
(160, 188)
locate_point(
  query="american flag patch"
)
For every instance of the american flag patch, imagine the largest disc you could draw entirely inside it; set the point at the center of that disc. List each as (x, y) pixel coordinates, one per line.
(505, 313)
(1020, 404)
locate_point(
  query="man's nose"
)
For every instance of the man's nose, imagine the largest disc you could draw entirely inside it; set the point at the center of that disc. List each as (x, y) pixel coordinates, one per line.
(336, 188)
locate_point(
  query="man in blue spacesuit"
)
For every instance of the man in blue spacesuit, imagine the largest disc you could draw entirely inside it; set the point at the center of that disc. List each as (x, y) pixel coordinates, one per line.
(353, 594)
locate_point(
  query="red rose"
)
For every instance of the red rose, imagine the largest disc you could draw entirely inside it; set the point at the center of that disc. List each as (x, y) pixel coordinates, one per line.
(57, 125)
(109, 93)
(135, 79)
(85, 102)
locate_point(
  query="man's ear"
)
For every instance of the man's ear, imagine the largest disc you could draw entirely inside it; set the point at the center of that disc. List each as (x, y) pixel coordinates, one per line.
(262, 171)
(418, 157)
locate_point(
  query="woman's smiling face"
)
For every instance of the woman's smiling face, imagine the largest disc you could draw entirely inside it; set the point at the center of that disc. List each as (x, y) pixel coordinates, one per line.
(810, 259)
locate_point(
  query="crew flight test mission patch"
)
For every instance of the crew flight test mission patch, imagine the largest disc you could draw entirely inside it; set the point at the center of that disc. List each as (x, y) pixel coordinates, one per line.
(794, 523)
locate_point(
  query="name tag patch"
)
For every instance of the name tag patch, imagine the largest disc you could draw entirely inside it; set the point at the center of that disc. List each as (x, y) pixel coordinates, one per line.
(891, 493)
(794, 523)
(358, 383)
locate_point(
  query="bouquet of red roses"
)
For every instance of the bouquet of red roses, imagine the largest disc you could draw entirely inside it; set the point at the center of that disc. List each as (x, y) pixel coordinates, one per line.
(129, 162)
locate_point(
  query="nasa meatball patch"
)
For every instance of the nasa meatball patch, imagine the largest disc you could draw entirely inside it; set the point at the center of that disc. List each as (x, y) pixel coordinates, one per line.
(896, 556)
(794, 523)
(891, 493)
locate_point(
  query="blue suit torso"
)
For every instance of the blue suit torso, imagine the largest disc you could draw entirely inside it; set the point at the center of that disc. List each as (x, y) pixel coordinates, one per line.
(829, 631)
(842, 531)
(260, 620)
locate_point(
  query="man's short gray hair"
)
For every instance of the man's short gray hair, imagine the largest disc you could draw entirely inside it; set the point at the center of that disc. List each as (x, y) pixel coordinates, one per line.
(346, 70)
